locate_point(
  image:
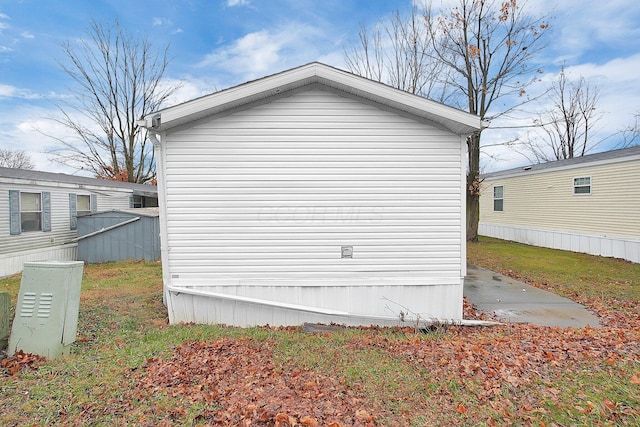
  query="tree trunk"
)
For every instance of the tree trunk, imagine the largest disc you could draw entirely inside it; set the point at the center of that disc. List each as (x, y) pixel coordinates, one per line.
(473, 216)
(473, 187)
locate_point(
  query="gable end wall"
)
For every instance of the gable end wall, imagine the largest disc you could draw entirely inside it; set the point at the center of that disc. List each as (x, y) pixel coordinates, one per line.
(265, 199)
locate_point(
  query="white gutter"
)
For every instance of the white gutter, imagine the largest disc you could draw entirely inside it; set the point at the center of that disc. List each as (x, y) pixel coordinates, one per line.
(162, 209)
(324, 311)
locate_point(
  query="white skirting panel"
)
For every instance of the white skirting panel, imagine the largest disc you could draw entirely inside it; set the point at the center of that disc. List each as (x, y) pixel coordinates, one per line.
(608, 246)
(12, 263)
(294, 305)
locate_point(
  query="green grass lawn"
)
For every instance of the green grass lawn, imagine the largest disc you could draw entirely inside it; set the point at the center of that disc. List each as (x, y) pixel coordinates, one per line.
(129, 367)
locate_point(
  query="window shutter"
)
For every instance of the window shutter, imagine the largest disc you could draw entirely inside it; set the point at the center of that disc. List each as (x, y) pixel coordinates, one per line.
(14, 212)
(46, 211)
(94, 203)
(73, 212)
(131, 202)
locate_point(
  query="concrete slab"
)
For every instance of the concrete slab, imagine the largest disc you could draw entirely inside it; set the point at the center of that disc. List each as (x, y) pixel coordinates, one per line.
(515, 302)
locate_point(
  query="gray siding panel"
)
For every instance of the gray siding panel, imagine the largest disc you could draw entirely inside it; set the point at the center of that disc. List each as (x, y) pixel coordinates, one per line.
(134, 241)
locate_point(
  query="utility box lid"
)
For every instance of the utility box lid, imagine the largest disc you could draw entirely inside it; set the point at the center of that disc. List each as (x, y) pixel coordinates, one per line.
(53, 264)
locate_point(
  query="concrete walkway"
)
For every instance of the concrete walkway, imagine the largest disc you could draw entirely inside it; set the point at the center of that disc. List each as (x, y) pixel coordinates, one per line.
(516, 302)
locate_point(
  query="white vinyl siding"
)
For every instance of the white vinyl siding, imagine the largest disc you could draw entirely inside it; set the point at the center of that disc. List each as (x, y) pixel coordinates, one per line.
(546, 200)
(275, 191)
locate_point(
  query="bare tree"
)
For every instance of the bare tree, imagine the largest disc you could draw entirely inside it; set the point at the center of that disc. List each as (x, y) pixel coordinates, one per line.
(397, 53)
(630, 136)
(489, 45)
(471, 56)
(15, 159)
(118, 80)
(564, 130)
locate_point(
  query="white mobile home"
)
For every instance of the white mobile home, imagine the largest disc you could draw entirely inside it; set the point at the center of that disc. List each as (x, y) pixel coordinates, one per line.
(586, 204)
(39, 210)
(312, 195)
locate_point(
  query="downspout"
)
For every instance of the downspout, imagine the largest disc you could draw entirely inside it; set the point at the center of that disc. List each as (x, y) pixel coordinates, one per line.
(162, 206)
(463, 204)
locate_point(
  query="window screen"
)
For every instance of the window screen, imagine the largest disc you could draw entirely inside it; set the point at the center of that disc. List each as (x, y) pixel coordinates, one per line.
(498, 198)
(30, 211)
(582, 185)
(83, 205)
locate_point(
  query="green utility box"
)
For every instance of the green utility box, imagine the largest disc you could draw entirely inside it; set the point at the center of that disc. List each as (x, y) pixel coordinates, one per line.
(46, 318)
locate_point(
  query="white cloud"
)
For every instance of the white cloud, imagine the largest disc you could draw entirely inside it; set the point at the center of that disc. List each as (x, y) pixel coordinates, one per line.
(27, 35)
(232, 3)
(20, 129)
(166, 23)
(580, 27)
(619, 100)
(189, 88)
(3, 25)
(7, 91)
(264, 52)
(30, 128)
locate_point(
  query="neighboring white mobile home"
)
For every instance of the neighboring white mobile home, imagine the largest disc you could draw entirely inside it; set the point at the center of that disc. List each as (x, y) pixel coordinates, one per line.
(39, 210)
(312, 195)
(586, 204)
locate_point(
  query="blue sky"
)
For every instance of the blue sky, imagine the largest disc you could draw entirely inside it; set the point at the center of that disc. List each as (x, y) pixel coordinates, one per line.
(219, 43)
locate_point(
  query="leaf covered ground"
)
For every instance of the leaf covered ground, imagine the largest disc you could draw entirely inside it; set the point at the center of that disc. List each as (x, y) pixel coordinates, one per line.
(130, 368)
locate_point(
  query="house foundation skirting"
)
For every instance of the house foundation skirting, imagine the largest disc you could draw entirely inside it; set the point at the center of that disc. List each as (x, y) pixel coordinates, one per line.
(394, 305)
(608, 246)
(12, 263)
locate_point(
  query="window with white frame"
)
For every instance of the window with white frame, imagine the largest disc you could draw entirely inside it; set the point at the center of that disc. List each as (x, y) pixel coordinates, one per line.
(83, 205)
(582, 185)
(30, 212)
(498, 198)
